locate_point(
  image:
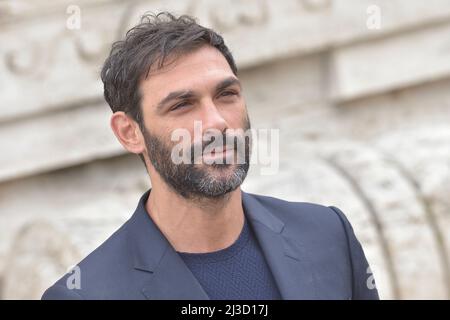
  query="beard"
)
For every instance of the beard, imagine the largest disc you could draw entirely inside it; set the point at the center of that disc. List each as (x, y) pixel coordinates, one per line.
(200, 181)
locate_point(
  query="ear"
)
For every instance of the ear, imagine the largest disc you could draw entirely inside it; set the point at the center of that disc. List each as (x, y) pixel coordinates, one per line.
(127, 132)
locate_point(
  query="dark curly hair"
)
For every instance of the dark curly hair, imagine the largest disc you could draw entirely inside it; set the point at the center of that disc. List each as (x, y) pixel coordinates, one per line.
(146, 45)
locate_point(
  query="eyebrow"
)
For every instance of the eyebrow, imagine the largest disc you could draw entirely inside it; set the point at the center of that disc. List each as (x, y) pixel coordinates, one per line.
(188, 94)
(227, 83)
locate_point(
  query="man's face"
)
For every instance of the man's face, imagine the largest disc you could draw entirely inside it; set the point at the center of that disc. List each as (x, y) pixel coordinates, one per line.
(199, 86)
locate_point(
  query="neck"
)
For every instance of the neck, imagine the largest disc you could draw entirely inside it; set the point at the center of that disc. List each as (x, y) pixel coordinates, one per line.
(199, 226)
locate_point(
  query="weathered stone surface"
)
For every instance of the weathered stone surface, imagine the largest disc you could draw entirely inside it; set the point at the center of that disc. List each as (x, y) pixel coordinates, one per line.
(391, 63)
(293, 27)
(56, 140)
(362, 117)
(39, 252)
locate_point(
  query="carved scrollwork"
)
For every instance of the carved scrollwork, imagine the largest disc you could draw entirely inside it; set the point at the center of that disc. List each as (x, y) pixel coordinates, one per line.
(316, 5)
(230, 15)
(26, 60)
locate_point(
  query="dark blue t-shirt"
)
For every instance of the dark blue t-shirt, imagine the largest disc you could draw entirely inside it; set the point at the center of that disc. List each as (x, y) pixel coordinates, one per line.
(234, 273)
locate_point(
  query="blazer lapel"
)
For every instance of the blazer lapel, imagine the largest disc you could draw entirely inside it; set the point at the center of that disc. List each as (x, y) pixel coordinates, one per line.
(169, 277)
(172, 279)
(287, 259)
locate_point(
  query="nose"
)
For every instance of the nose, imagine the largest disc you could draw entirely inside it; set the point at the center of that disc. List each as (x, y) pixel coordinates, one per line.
(211, 117)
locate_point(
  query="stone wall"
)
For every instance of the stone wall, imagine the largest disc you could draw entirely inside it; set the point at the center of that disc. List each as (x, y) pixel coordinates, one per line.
(363, 114)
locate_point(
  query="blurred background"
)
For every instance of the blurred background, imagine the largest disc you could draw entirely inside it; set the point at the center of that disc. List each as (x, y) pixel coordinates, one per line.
(359, 90)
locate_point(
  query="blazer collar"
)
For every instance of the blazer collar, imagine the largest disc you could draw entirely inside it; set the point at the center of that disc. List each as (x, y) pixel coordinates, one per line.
(287, 257)
(170, 278)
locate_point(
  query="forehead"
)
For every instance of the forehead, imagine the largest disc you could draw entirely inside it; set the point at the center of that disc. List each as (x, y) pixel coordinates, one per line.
(197, 70)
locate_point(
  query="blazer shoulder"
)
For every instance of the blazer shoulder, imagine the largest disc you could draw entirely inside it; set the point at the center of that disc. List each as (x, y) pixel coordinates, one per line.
(59, 292)
(308, 220)
(292, 211)
(104, 262)
(329, 231)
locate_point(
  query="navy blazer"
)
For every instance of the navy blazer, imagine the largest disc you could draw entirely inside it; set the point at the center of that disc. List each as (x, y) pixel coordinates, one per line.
(311, 250)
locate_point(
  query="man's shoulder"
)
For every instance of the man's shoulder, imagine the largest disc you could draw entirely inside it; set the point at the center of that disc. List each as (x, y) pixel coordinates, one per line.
(105, 263)
(302, 212)
(310, 222)
(330, 239)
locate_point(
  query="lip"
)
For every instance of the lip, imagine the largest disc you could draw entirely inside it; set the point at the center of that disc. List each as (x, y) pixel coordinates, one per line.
(223, 150)
(218, 153)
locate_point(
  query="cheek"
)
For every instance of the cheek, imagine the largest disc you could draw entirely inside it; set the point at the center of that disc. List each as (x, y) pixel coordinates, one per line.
(236, 117)
(161, 131)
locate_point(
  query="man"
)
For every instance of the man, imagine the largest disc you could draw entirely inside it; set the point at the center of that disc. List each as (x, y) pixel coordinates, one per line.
(195, 234)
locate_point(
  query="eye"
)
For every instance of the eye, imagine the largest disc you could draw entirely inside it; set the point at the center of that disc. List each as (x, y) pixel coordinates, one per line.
(228, 93)
(180, 105)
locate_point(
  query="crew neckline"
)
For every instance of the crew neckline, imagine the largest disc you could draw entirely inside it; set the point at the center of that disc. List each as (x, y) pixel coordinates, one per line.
(222, 254)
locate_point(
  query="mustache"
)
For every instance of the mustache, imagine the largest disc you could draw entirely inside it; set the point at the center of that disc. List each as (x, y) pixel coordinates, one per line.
(213, 142)
(228, 140)
(220, 143)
